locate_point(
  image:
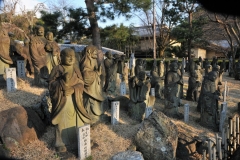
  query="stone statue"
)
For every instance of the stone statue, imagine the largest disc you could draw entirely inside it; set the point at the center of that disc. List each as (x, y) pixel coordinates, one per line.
(139, 88)
(194, 86)
(157, 82)
(140, 66)
(230, 68)
(237, 70)
(53, 52)
(39, 57)
(5, 59)
(214, 62)
(23, 51)
(111, 67)
(66, 89)
(173, 83)
(93, 95)
(125, 73)
(180, 72)
(200, 61)
(209, 102)
(208, 68)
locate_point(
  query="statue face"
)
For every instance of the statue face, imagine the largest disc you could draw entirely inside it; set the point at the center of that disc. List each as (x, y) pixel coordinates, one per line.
(212, 76)
(49, 36)
(94, 54)
(174, 67)
(68, 58)
(40, 31)
(109, 55)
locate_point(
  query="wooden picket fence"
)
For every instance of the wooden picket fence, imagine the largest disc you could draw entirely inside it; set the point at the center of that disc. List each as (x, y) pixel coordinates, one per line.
(224, 145)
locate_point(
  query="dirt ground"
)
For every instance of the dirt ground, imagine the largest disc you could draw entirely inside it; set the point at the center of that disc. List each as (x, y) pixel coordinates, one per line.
(107, 139)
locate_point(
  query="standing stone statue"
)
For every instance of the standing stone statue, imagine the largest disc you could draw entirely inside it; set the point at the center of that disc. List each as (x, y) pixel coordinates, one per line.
(173, 83)
(139, 88)
(208, 68)
(23, 51)
(66, 89)
(111, 66)
(5, 59)
(93, 96)
(53, 52)
(200, 61)
(237, 70)
(139, 66)
(230, 68)
(194, 86)
(209, 102)
(39, 57)
(157, 82)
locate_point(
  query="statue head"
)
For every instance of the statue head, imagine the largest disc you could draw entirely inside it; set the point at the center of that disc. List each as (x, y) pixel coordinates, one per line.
(49, 36)
(174, 66)
(91, 52)
(212, 76)
(108, 54)
(40, 30)
(67, 56)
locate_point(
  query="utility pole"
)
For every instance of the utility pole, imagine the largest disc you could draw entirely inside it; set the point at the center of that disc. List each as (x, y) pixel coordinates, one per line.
(154, 32)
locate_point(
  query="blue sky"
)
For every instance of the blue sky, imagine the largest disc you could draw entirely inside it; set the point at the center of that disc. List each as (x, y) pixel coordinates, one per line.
(29, 4)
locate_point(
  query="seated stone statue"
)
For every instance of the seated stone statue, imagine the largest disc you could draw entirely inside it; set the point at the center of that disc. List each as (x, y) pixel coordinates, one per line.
(5, 59)
(157, 82)
(53, 52)
(209, 102)
(93, 95)
(139, 88)
(172, 88)
(66, 89)
(39, 57)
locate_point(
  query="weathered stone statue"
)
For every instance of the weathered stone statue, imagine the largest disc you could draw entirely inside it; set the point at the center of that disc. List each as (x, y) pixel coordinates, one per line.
(237, 70)
(66, 89)
(180, 72)
(214, 62)
(5, 59)
(208, 68)
(173, 83)
(139, 88)
(113, 66)
(93, 95)
(230, 67)
(209, 102)
(194, 86)
(23, 51)
(39, 57)
(157, 82)
(53, 52)
(200, 61)
(139, 66)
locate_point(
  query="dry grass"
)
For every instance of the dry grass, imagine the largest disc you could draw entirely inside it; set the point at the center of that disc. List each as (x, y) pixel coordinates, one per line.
(107, 139)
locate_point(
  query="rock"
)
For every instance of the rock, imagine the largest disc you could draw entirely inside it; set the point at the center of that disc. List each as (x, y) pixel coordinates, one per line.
(44, 109)
(187, 147)
(19, 126)
(157, 137)
(133, 155)
(236, 154)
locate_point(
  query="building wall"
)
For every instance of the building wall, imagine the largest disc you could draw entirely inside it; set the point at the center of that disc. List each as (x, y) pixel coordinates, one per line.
(199, 52)
(210, 54)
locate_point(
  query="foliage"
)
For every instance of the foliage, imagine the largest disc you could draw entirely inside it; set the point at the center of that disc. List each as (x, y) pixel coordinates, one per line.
(117, 37)
(50, 21)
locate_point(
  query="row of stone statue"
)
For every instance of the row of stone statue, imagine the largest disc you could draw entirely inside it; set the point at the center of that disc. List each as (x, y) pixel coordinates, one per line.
(204, 87)
(40, 52)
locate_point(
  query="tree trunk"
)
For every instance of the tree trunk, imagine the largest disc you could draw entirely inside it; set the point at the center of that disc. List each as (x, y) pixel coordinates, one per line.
(94, 23)
(189, 39)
